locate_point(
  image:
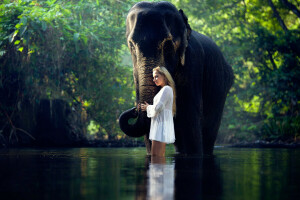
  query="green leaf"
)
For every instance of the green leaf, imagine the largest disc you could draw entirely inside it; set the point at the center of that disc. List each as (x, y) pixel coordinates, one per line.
(13, 35)
(18, 25)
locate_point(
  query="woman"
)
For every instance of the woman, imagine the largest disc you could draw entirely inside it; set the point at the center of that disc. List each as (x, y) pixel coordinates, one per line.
(161, 112)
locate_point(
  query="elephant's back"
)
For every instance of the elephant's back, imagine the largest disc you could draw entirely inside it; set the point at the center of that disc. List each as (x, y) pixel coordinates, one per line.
(215, 66)
(210, 50)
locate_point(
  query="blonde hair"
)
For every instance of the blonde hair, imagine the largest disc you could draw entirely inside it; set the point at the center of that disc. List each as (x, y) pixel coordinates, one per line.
(169, 81)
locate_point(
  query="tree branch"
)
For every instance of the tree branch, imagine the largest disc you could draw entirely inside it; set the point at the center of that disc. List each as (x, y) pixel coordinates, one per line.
(14, 129)
(276, 14)
(22, 130)
(292, 7)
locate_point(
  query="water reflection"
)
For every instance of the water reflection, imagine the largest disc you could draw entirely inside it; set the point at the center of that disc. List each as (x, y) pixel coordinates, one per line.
(181, 177)
(197, 178)
(94, 173)
(160, 182)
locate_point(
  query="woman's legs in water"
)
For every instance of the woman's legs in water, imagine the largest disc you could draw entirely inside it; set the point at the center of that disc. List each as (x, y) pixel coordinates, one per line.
(158, 148)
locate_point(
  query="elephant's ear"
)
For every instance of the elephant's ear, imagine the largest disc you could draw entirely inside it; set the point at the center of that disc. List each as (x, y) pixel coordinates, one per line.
(185, 19)
(187, 36)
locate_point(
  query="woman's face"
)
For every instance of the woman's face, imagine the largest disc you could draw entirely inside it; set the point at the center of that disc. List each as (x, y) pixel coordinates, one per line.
(158, 79)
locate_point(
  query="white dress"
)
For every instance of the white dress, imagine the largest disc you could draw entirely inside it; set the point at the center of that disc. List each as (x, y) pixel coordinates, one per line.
(162, 125)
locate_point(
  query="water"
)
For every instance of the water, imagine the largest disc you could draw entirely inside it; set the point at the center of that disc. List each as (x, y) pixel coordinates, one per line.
(127, 173)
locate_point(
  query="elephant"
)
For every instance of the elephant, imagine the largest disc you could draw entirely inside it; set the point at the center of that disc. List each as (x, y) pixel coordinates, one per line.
(159, 35)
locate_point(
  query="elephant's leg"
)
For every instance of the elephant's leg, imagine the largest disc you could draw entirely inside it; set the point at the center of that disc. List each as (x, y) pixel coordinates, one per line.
(188, 129)
(188, 136)
(213, 110)
(147, 144)
(218, 77)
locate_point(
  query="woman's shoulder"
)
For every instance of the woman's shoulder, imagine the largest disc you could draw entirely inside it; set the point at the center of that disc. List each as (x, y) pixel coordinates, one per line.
(167, 87)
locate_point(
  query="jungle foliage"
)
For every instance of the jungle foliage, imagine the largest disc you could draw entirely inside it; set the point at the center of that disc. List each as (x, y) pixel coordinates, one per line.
(70, 50)
(261, 40)
(76, 51)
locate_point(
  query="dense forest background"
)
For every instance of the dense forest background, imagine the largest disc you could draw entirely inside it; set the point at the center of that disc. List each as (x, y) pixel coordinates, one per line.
(69, 59)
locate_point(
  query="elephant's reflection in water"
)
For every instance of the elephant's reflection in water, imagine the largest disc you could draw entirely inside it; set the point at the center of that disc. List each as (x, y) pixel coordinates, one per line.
(181, 177)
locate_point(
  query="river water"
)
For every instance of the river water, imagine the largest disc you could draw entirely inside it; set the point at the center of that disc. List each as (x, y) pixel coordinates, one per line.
(127, 173)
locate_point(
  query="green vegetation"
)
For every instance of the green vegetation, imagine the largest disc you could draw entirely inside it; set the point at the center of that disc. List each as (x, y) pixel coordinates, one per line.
(76, 51)
(261, 40)
(70, 50)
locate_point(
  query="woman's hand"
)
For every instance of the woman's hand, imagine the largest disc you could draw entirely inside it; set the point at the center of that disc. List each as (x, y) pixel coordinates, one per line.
(144, 106)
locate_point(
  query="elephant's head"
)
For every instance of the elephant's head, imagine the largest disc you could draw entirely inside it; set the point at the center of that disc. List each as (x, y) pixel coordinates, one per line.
(157, 35)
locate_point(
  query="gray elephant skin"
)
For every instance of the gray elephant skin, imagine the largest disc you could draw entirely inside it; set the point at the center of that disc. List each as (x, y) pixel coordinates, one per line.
(159, 35)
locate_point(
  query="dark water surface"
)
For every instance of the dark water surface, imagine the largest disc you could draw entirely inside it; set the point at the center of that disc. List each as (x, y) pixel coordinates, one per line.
(127, 173)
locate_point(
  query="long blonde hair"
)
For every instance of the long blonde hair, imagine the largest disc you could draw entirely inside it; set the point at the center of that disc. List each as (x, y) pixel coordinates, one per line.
(169, 81)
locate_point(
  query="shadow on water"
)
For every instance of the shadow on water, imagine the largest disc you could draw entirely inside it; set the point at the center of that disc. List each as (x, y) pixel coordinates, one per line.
(185, 177)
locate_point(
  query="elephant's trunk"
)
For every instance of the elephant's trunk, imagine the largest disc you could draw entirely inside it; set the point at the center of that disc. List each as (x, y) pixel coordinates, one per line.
(139, 128)
(145, 90)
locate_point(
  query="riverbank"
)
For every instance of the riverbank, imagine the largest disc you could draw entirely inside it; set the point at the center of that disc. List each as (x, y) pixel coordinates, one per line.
(104, 143)
(266, 144)
(136, 143)
(114, 143)
(83, 143)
